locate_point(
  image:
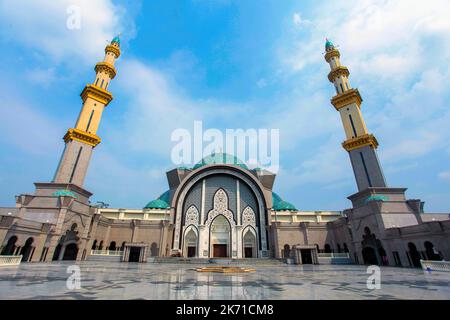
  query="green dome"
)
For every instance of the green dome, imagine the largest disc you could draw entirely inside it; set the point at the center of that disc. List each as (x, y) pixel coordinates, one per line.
(220, 158)
(279, 204)
(64, 193)
(165, 196)
(161, 203)
(116, 39)
(157, 204)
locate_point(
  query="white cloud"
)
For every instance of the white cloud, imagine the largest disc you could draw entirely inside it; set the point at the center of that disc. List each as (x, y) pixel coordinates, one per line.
(444, 175)
(42, 76)
(23, 126)
(42, 27)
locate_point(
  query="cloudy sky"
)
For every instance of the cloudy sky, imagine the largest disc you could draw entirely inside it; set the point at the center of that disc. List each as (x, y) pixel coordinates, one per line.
(230, 64)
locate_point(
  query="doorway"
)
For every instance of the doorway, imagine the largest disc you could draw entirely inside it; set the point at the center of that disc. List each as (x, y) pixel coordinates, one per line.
(220, 237)
(414, 255)
(71, 252)
(220, 251)
(249, 243)
(190, 242)
(369, 256)
(135, 253)
(191, 252)
(306, 256)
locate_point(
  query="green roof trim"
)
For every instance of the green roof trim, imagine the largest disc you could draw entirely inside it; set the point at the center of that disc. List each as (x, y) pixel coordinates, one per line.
(376, 198)
(279, 204)
(64, 193)
(220, 158)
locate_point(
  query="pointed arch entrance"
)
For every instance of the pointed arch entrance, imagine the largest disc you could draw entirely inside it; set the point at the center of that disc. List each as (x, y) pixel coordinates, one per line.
(249, 243)
(220, 237)
(191, 242)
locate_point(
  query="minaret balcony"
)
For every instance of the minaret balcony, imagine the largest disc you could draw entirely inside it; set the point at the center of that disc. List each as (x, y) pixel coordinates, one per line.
(113, 49)
(331, 54)
(107, 68)
(359, 142)
(338, 71)
(82, 136)
(348, 97)
(96, 93)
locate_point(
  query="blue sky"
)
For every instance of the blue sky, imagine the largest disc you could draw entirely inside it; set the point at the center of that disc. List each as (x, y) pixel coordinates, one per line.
(230, 64)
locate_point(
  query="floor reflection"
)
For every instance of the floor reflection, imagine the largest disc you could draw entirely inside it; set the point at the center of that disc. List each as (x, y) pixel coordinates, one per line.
(178, 281)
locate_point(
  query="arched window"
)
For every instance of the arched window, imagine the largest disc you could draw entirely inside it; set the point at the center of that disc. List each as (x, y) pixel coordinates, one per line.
(94, 245)
(414, 255)
(27, 249)
(112, 246)
(10, 247)
(100, 246)
(432, 254)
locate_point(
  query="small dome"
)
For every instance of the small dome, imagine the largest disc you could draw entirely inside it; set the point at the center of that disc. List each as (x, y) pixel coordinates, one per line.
(64, 193)
(161, 203)
(116, 39)
(220, 158)
(157, 204)
(329, 45)
(279, 204)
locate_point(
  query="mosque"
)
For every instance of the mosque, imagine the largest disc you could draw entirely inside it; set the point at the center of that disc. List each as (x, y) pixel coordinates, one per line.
(220, 208)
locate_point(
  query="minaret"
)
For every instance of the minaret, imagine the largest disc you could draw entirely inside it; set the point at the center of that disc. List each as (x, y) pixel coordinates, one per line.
(360, 144)
(81, 140)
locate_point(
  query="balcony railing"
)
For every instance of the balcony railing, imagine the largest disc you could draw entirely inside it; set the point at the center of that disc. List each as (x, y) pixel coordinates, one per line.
(10, 260)
(334, 255)
(106, 252)
(430, 265)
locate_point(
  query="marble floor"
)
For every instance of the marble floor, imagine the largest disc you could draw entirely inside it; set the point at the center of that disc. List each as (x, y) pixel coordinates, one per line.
(114, 280)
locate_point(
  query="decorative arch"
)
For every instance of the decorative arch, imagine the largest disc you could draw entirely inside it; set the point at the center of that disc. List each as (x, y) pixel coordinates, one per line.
(248, 217)
(220, 207)
(249, 242)
(220, 249)
(190, 246)
(192, 216)
(255, 186)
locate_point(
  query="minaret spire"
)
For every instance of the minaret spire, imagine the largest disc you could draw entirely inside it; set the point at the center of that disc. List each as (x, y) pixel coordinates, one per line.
(82, 139)
(359, 143)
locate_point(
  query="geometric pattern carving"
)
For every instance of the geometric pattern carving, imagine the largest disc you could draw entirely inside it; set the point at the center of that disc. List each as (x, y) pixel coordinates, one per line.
(192, 216)
(220, 206)
(248, 217)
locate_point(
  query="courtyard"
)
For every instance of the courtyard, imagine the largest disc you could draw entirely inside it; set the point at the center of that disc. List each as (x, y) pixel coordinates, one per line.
(115, 280)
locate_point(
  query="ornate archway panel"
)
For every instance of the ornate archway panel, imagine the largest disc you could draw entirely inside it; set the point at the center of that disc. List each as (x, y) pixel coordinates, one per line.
(236, 233)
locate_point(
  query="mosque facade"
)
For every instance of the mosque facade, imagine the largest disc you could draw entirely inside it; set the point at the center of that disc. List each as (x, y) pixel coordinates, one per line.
(220, 208)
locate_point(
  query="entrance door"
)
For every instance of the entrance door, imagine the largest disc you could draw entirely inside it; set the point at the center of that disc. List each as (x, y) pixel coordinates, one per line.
(306, 256)
(71, 251)
(248, 251)
(135, 253)
(220, 238)
(369, 256)
(191, 252)
(220, 251)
